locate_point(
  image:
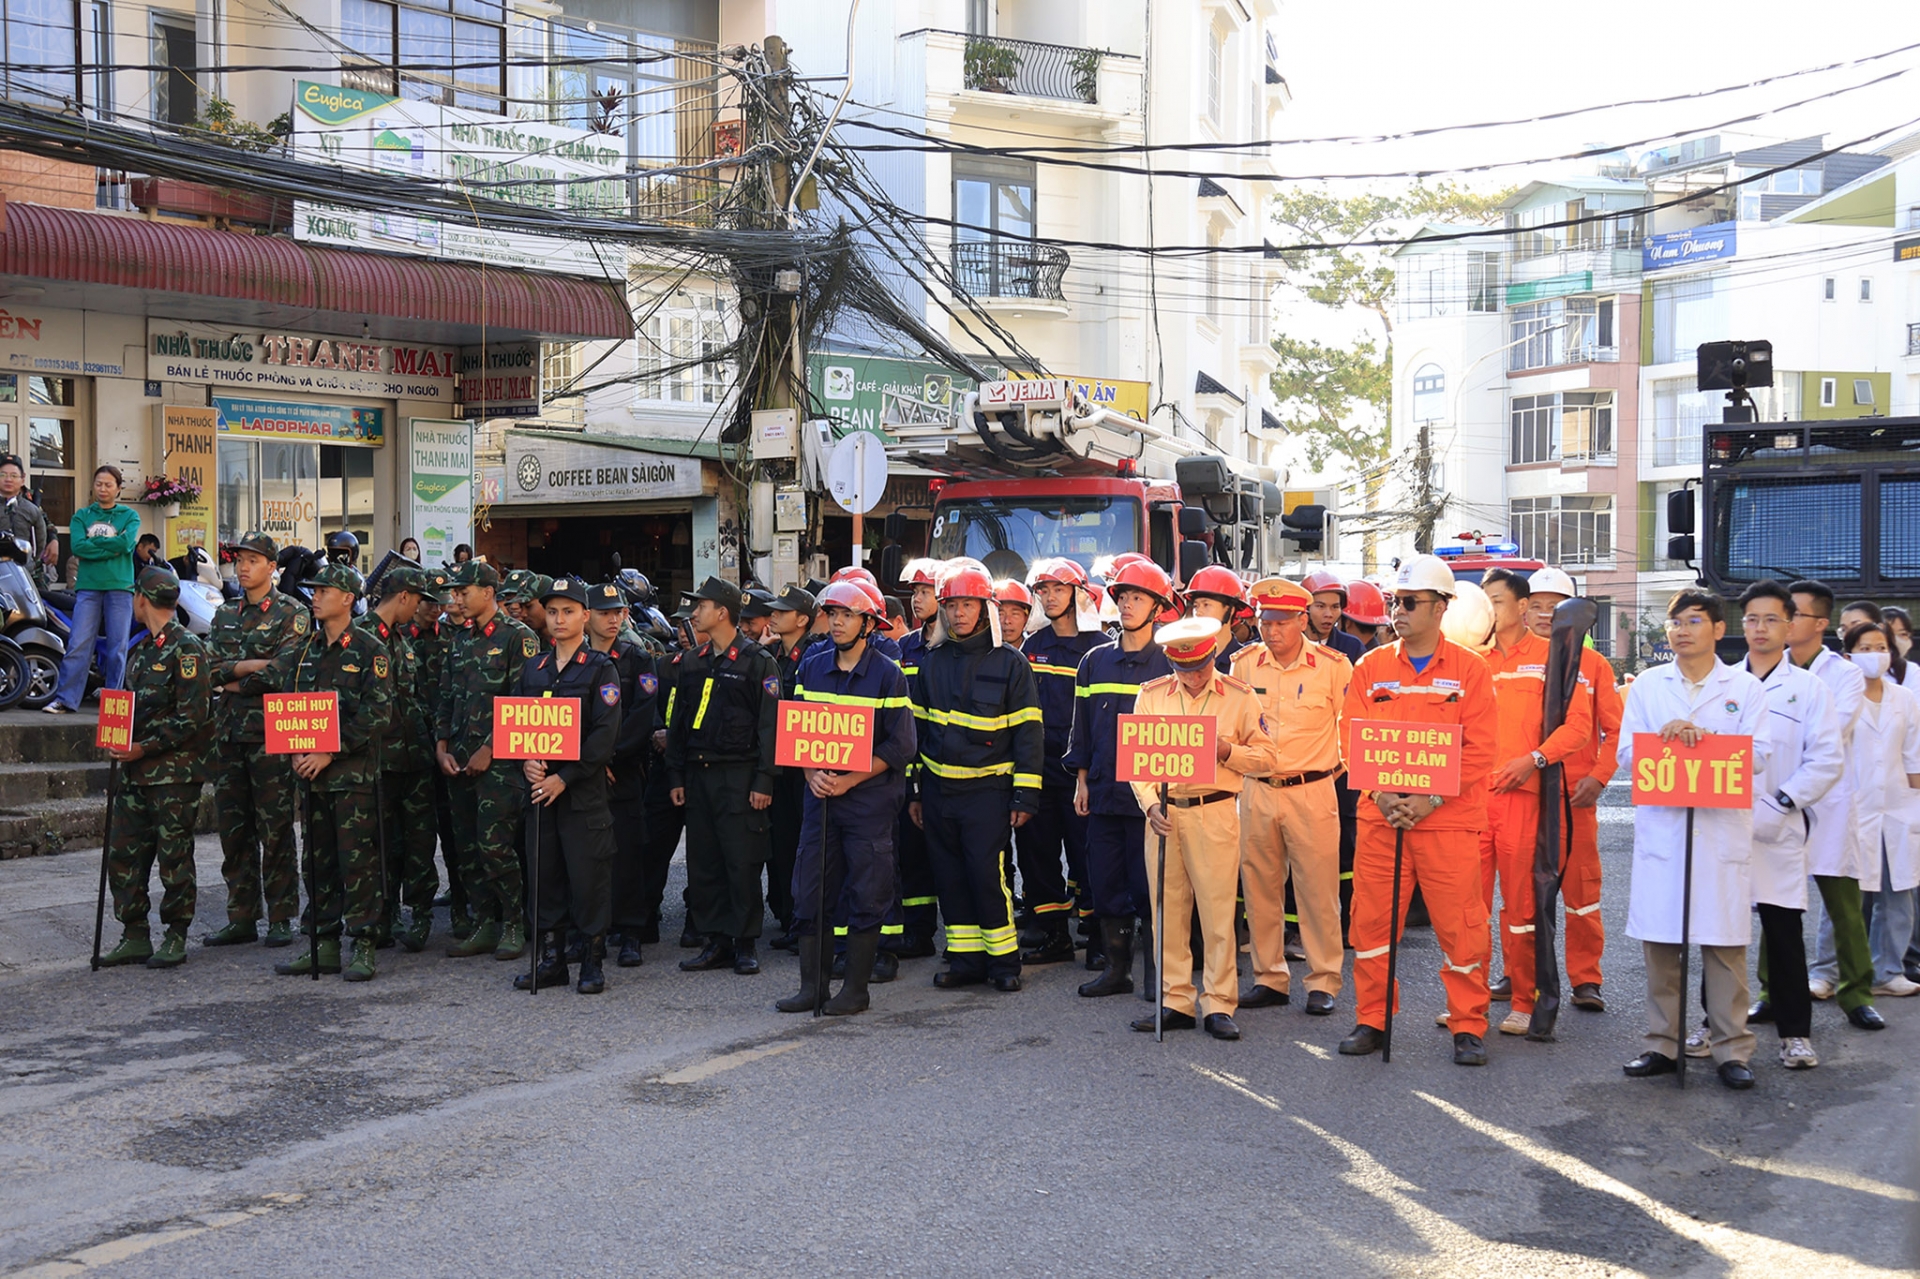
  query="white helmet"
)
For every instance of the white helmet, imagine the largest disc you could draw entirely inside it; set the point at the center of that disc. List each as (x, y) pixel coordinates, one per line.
(1426, 573)
(1468, 621)
(1551, 581)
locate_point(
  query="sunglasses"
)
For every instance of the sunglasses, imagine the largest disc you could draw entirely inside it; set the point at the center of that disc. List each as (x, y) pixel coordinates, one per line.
(1405, 603)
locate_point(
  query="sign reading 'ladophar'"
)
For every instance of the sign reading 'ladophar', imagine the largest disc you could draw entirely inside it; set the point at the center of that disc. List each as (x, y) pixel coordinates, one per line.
(1403, 757)
(536, 728)
(817, 735)
(1174, 750)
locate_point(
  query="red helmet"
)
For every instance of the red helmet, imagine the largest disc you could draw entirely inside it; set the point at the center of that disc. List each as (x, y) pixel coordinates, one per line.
(854, 573)
(1217, 581)
(965, 583)
(1123, 559)
(1366, 605)
(1142, 574)
(919, 572)
(1325, 581)
(854, 596)
(1056, 568)
(1008, 591)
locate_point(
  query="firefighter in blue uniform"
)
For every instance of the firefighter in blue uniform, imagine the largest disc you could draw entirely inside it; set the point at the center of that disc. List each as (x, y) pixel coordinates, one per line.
(1104, 689)
(1216, 591)
(980, 746)
(1056, 828)
(847, 834)
(627, 786)
(575, 848)
(919, 903)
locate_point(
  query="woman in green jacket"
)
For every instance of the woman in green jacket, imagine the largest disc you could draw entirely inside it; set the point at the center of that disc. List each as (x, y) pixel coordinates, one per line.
(103, 535)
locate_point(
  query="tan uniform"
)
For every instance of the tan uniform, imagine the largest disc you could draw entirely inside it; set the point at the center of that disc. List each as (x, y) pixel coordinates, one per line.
(1290, 818)
(1203, 852)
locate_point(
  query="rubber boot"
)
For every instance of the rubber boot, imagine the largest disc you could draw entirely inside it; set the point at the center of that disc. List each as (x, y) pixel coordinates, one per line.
(361, 966)
(301, 965)
(852, 996)
(1116, 936)
(552, 968)
(1096, 944)
(136, 947)
(593, 966)
(480, 941)
(803, 1000)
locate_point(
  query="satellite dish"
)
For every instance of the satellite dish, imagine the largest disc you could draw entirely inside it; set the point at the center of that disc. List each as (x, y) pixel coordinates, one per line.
(857, 472)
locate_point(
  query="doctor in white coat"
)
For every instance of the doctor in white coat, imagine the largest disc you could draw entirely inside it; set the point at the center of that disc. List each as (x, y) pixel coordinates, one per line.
(1842, 964)
(1885, 765)
(1694, 697)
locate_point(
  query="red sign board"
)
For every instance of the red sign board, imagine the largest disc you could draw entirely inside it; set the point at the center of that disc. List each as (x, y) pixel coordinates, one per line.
(824, 735)
(302, 723)
(1177, 750)
(115, 730)
(536, 728)
(1718, 773)
(1403, 757)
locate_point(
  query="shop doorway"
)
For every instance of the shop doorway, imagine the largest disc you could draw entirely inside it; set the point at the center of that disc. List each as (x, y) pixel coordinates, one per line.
(661, 546)
(40, 421)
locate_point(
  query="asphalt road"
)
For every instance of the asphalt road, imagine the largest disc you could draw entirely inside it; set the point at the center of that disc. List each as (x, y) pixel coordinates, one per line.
(219, 1120)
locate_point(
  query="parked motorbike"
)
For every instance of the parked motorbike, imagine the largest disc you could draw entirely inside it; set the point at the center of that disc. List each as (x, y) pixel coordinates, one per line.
(31, 643)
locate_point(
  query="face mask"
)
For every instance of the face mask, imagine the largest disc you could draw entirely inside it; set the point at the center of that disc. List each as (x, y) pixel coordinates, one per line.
(1872, 665)
(1904, 644)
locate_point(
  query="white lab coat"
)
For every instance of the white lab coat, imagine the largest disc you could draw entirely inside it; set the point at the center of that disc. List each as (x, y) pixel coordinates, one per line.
(1729, 701)
(1833, 845)
(1886, 747)
(1805, 760)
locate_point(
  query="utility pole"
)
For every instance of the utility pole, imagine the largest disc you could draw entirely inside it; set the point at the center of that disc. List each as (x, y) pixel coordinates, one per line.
(1425, 512)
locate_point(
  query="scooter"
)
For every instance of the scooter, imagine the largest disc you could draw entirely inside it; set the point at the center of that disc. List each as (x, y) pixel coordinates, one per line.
(31, 645)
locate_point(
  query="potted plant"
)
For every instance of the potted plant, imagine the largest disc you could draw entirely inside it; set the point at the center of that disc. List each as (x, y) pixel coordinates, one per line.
(166, 492)
(991, 66)
(1084, 66)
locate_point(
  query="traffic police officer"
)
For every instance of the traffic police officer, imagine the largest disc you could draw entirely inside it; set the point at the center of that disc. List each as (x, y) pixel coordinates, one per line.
(981, 747)
(162, 770)
(575, 824)
(1201, 826)
(627, 782)
(483, 662)
(405, 792)
(343, 856)
(253, 790)
(720, 739)
(850, 840)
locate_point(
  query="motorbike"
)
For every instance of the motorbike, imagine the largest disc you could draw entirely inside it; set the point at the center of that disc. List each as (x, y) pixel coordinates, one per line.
(31, 642)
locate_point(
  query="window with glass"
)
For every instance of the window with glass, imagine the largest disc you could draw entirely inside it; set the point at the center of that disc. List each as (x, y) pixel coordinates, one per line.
(993, 201)
(1216, 72)
(1679, 414)
(453, 52)
(1429, 393)
(38, 40)
(1686, 312)
(681, 350)
(296, 492)
(1571, 529)
(1483, 282)
(1008, 534)
(1571, 426)
(1556, 331)
(1807, 181)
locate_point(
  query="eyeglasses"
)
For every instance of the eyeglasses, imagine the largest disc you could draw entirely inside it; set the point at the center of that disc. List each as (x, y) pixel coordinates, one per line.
(1687, 623)
(1406, 603)
(1755, 621)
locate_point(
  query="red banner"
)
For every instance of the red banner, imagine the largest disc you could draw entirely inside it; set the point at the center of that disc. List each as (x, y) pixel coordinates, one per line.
(1718, 773)
(536, 728)
(1403, 757)
(1177, 750)
(302, 723)
(824, 735)
(115, 730)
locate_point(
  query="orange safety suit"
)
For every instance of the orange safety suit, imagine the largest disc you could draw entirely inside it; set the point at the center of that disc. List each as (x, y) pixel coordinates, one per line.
(1598, 759)
(1513, 817)
(1203, 852)
(1290, 818)
(1442, 851)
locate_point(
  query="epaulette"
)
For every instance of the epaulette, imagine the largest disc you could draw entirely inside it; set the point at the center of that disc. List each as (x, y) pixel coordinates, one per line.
(1159, 680)
(1240, 684)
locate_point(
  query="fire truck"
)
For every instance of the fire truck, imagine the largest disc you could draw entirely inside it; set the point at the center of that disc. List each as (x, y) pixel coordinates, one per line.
(1470, 555)
(1030, 468)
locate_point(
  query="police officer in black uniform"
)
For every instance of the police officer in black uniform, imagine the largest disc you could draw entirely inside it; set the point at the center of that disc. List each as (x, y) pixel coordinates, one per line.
(788, 640)
(575, 823)
(627, 791)
(720, 771)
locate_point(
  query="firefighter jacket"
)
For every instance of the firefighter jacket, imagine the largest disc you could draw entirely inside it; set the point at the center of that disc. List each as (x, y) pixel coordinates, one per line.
(978, 720)
(1104, 689)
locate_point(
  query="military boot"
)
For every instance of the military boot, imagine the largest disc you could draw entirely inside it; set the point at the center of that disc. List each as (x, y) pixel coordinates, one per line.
(576, 945)
(481, 941)
(172, 951)
(552, 968)
(301, 965)
(629, 951)
(240, 932)
(852, 996)
(1117, 939)
(463, 923)
(1055, 945)
(886, 967)
(414, 936)
(513, 941)
(136, 947)
(593, 966)
(803, 1000)
(280, 933)
(360, 967)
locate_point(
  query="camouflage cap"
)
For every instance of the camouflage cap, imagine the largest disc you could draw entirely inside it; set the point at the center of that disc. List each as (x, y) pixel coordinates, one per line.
(437, 584)
(514, 585)
(564, 588)
(606, 598)
(405, 577)
(157, 586)
(536, 587)
(342, 577)
(475, 573)
(258, 543)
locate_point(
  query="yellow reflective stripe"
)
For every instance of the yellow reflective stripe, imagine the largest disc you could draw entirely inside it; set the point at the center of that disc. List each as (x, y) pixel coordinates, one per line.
(1094, 690)
(1052, 907)
(671, 694)
(1047, 668)
(706, 695)
(848, 699)
(1026, 781)
(892, 930)
(965, 938)
(959, 773)
(839, 930)
(919, 901)
(985, 723)
(999, 941)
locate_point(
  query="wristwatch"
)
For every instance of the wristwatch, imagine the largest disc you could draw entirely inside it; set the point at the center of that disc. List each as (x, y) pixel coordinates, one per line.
(1784, 800)
(1539, 760)
(1435, 800)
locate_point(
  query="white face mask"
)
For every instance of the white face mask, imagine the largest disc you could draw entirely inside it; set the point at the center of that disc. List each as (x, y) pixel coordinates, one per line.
(1904, 644)
(1872, 665)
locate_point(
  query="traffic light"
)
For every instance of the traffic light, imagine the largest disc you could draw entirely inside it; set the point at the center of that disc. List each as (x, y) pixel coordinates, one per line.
(1305, 525)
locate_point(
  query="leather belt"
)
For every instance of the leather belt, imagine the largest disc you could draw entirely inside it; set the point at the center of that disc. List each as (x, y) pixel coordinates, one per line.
(1194, 801)
(1299, 779)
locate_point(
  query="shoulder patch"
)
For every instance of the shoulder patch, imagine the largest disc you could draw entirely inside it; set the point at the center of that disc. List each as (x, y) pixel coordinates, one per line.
(189, 665)
(380, 667)
(610, 694)
(772, 685)
(301, 622)
(529, 646)
(648, 684)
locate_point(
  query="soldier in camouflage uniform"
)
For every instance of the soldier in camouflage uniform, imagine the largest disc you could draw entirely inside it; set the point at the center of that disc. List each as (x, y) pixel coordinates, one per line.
(161, 773)
(343, 850)
(488, 795)
(431, 634)
(406, 762)
(253, 791)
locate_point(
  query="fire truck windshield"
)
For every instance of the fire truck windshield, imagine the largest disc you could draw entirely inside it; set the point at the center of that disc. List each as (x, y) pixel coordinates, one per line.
(1008, 533)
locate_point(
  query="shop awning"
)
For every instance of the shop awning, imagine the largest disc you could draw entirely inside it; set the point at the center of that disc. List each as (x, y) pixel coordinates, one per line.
(111, 262)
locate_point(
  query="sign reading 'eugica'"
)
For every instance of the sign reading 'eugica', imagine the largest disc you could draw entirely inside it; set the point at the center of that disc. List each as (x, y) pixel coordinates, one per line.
(536, 728)
(1718, 773)
(1174, 750)
(1403, 757)
(823, 735)
(302, 723)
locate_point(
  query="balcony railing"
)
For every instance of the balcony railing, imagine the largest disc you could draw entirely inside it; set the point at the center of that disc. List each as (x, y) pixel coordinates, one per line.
(1010, 269)
(1060, 71)
(1913, 339)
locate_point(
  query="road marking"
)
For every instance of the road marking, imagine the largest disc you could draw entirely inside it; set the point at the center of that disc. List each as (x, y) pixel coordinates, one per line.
(1746, 1254)
(1829, 1176)
(727, 1061)
(1315, 1049)
(118, 1250)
